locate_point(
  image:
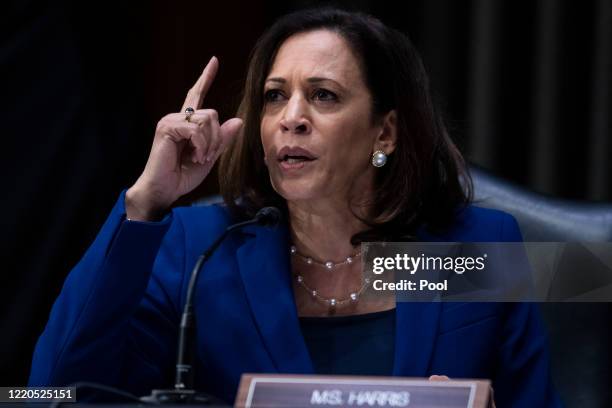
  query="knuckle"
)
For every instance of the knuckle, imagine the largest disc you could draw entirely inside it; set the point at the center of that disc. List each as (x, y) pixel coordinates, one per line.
(166, 120)
(163, 120)
(206, 118)
(161, 126)
(213, 114)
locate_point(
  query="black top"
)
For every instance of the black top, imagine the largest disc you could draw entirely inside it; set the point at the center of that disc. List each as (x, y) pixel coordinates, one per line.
(351, 345)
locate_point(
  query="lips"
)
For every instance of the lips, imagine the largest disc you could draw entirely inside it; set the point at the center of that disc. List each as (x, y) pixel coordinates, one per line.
(292, 155)
(294, 160)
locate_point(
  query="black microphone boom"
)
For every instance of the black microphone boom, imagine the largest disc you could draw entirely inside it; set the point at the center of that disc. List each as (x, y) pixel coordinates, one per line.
(183, 391)
(268, 216)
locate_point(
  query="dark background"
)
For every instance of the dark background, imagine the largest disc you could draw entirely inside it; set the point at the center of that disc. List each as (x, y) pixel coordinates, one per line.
(526, 87)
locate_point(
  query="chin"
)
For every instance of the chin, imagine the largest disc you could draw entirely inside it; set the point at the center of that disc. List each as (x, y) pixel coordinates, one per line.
(296, 190)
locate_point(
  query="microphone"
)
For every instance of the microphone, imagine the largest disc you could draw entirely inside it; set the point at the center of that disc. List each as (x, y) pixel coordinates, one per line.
(183, 391)
(268, 216)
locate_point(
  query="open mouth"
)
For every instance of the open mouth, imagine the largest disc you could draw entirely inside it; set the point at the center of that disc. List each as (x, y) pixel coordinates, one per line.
(295, 159)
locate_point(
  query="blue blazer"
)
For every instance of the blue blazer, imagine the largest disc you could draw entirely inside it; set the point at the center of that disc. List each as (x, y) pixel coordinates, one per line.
(116, 319)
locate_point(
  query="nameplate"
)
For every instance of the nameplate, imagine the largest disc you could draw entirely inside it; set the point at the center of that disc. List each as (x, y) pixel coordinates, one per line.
(274, 390)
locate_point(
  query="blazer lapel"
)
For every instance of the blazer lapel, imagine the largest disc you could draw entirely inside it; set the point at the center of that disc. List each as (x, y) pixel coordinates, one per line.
(264, 265)
(415, 335)
(416, 329)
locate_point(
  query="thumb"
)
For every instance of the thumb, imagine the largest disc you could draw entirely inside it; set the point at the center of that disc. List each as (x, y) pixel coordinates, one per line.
(438, 378)
(230, 129)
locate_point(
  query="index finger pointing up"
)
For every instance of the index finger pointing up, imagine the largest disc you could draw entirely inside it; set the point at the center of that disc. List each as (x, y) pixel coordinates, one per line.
(196, 94)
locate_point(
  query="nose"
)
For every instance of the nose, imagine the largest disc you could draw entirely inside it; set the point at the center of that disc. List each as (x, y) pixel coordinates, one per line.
(294, 119)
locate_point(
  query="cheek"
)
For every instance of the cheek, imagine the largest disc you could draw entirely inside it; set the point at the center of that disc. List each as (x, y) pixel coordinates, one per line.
(265, 136)
(353, 143)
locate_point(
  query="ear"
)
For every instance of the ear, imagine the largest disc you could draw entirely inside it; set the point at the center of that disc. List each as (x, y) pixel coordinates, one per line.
(387, 138)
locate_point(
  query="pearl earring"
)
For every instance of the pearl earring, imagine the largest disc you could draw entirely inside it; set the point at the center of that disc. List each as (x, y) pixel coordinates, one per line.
(379, 158)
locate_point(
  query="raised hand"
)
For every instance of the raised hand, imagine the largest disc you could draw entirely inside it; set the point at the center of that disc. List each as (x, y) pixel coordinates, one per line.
(183, 152)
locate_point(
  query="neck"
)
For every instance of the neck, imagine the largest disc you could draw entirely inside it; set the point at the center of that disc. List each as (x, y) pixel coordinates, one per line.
(323, 229)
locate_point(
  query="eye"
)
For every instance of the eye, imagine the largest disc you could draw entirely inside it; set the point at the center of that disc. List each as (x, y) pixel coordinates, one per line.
(272, 95)
(324, 95)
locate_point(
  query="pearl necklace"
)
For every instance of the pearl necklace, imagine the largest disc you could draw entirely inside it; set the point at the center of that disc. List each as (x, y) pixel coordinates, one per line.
(328, 264)
(332, 303)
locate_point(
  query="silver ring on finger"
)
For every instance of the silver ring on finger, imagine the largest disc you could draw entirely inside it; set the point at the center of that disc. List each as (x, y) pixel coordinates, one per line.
(188, 112)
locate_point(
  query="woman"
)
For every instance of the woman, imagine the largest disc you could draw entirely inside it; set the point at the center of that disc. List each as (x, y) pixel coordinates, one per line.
(336, 128)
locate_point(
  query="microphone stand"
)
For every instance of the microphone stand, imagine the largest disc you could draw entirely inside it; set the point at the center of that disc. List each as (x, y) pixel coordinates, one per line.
(183, 392)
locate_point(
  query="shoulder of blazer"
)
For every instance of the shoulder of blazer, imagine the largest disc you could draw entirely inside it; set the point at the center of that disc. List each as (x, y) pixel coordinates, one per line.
(478, 224)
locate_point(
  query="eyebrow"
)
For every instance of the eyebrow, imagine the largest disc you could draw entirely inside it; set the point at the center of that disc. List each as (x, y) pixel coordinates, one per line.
(311, 80)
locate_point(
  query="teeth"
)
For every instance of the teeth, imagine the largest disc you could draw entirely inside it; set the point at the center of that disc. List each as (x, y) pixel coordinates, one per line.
(291, 160)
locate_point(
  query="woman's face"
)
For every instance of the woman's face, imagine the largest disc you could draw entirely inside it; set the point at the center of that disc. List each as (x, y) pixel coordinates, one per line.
(316, 125)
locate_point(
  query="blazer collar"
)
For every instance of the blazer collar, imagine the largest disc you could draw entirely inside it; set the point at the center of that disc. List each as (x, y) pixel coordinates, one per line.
(264, 265)
(415, 335)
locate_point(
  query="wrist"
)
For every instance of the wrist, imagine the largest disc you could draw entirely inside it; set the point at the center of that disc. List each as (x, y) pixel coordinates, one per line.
(141, 206)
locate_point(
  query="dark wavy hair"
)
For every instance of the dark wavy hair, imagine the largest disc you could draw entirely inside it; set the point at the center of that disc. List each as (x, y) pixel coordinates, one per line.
(425, 180)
